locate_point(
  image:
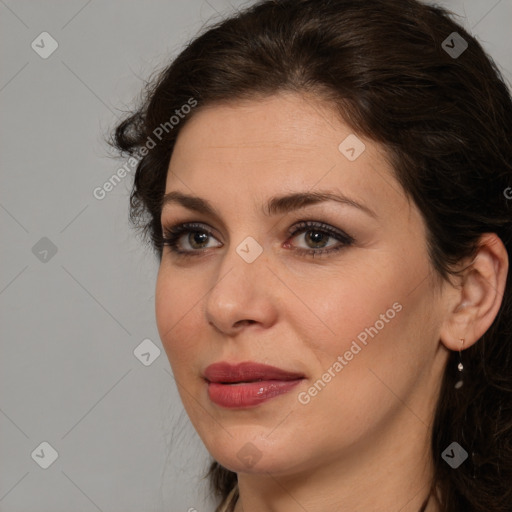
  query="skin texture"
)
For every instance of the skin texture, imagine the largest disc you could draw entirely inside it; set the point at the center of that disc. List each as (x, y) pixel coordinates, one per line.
(361, 443)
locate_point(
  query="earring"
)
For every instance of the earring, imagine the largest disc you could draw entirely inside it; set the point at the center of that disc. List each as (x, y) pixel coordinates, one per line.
(460, 366)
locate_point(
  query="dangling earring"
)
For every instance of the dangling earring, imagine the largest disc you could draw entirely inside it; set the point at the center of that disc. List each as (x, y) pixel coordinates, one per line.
(460, 366)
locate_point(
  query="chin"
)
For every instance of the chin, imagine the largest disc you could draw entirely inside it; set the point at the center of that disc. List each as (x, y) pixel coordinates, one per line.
(251, 451)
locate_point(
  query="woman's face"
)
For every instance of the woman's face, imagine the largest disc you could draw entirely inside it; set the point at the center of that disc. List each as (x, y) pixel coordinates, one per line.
(337, 293)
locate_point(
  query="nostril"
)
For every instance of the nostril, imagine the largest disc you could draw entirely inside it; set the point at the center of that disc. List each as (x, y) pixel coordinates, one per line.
(240, 323)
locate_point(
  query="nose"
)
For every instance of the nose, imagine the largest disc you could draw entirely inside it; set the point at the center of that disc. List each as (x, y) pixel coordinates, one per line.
(243, 295)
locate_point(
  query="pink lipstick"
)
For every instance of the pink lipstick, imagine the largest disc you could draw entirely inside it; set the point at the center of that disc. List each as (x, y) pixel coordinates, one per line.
(247, 384)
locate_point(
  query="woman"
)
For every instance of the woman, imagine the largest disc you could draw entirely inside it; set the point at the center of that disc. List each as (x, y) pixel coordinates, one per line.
(326, 184)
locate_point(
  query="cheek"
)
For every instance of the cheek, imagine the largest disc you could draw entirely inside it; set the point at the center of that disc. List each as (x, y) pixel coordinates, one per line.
(359, 373)
(177, 305)
(351, 305)
(371, 320)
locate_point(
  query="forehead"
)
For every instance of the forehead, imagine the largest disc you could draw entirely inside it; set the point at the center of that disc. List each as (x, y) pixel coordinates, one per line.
(283, 143)
(287, 124)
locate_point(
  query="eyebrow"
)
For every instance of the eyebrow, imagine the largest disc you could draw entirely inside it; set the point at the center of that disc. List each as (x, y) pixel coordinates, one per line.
(276, 205)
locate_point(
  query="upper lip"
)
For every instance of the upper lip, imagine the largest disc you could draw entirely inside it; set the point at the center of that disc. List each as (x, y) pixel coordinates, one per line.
(247, 372)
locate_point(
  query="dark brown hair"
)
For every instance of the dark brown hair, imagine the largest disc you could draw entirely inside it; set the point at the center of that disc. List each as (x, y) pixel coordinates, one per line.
(446, 122)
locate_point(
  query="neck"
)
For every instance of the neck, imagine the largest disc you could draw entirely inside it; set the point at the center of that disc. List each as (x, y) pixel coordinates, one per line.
(391, 473)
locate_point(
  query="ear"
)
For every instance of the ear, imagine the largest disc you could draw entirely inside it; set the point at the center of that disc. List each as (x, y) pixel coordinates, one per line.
(474, 303)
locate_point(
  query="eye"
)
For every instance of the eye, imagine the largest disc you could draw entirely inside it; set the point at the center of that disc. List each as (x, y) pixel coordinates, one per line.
(188, 238)
(318, 238)
(312, 239)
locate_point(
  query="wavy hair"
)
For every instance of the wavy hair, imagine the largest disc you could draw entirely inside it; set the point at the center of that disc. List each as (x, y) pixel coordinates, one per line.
(446, 123)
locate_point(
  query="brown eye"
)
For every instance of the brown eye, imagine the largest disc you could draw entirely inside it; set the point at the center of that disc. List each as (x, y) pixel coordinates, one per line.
(189, 239)
(313, 238)
(316, 239)
(197, 239)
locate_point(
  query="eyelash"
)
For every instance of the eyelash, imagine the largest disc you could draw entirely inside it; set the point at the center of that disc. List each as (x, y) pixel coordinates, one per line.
(171, 236)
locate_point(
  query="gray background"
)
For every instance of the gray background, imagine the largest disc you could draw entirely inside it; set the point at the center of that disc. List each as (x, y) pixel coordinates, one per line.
(70, 321)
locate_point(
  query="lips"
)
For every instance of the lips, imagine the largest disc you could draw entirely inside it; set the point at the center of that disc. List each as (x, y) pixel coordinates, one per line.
(247, 372)
(247, 384)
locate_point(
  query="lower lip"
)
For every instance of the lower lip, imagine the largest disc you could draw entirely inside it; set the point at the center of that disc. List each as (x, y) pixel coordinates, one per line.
(248, 394)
